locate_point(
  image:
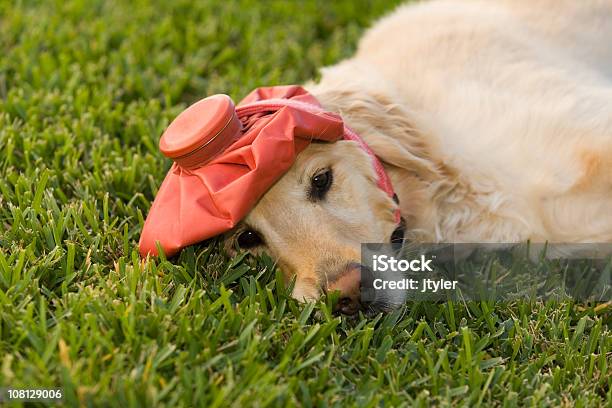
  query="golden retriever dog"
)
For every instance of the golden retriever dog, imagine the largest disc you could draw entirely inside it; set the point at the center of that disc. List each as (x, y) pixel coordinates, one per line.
(493, 120)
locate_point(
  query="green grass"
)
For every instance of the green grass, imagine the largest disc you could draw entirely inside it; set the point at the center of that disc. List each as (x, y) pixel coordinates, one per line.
(86, 88)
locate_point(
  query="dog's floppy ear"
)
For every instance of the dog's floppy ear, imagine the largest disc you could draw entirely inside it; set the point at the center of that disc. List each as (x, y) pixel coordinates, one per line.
(387, 128)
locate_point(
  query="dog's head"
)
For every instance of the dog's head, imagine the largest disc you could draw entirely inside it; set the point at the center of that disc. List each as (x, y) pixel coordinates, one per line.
(314, 219)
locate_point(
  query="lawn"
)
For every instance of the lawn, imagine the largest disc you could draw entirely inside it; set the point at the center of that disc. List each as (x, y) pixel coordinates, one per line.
(86, 89)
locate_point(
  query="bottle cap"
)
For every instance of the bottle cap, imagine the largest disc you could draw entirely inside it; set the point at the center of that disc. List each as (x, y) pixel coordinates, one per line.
(201, 132)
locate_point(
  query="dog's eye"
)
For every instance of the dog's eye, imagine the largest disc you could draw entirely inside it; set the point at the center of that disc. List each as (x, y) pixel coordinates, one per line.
(320, 184)
(249, 239)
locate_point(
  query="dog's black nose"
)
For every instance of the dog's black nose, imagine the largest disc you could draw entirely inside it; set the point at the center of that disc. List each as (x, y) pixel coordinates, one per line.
(348, 305)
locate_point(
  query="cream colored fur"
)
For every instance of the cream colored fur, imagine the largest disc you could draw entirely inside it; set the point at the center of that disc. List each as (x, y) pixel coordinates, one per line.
(493, 119)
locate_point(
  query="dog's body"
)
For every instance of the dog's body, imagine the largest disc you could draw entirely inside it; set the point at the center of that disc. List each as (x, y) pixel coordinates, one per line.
(492, 118)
